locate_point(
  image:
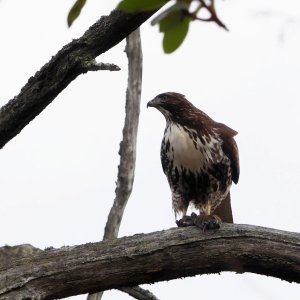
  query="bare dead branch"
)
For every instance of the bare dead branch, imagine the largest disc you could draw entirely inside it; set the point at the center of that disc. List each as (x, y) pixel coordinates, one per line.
(63, 68)
(138, 293)
(127, 152)
(148, 258)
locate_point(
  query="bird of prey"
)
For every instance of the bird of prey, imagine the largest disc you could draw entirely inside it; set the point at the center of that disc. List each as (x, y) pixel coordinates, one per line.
(200, 158)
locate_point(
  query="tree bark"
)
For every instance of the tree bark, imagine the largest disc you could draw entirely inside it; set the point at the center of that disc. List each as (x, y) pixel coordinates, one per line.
(148, 258)
(75, 58)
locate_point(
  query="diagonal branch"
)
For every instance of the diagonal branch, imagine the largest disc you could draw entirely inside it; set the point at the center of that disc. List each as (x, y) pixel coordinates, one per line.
(63, 68)
(138, 293)
(148, 258)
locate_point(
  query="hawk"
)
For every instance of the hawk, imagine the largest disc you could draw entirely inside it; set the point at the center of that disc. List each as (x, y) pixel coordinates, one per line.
(200, 158)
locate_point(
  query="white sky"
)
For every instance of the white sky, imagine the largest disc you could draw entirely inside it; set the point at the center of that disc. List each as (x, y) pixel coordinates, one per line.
(58, 176)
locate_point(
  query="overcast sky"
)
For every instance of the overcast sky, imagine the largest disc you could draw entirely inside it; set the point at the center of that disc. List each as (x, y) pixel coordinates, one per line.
(58, 175)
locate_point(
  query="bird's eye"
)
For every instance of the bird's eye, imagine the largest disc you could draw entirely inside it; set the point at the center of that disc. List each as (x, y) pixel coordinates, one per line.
(163, 97)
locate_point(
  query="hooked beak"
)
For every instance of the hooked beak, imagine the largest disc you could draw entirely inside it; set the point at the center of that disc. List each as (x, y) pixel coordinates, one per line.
(154, 102)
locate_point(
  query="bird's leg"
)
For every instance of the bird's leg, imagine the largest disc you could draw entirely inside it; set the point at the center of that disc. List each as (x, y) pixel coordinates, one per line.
(186, 220)
(206, 220)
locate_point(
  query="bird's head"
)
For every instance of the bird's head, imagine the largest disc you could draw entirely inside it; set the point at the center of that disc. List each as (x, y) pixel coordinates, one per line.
(171, 105)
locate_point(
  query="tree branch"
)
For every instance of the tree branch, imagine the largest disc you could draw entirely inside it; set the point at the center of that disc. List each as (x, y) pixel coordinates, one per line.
(63, 68)
(138, 293)
(127, 152)
(94, 66)
(148, 258)
(212, 11)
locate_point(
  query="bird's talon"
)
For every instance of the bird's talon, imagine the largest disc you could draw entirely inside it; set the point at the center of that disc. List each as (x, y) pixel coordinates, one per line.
(210, 222)
(186, 221)
(194, 215)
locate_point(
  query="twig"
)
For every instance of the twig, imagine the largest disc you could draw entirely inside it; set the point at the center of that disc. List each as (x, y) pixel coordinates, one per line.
(92, 65)
(213, 15)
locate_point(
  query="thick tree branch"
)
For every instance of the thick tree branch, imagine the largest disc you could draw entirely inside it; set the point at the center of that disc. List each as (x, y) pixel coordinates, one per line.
(147, 258)
(63, 68)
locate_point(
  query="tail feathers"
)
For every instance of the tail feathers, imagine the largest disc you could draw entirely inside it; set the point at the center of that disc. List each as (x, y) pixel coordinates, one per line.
(224, 210)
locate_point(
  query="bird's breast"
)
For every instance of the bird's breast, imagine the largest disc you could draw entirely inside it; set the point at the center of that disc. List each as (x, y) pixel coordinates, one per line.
(186, 150)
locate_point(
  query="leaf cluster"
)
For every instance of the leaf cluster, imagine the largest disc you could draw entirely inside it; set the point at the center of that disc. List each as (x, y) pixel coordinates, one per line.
(173, 22)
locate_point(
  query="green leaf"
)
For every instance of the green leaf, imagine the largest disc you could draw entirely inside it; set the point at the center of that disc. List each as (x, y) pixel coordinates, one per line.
(140, 5)
(175, 28)
(75, 11)
(179, 5)
(171, 20)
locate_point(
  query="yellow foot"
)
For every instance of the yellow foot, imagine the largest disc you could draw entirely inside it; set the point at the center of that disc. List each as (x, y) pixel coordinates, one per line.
(208, 222)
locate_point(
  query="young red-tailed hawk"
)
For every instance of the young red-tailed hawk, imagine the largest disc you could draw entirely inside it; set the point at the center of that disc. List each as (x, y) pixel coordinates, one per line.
(200, 159)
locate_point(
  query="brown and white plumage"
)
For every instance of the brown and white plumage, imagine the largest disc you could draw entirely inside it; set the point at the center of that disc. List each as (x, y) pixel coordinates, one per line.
(199, 156)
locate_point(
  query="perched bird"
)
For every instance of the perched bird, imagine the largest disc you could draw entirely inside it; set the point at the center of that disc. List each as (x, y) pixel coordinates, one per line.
(200, 159)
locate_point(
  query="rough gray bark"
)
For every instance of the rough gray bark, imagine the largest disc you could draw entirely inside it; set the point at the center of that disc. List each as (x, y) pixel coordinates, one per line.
(72, 60)
(127, 153)
(13, 252)
(148, 258)
(127, 150)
